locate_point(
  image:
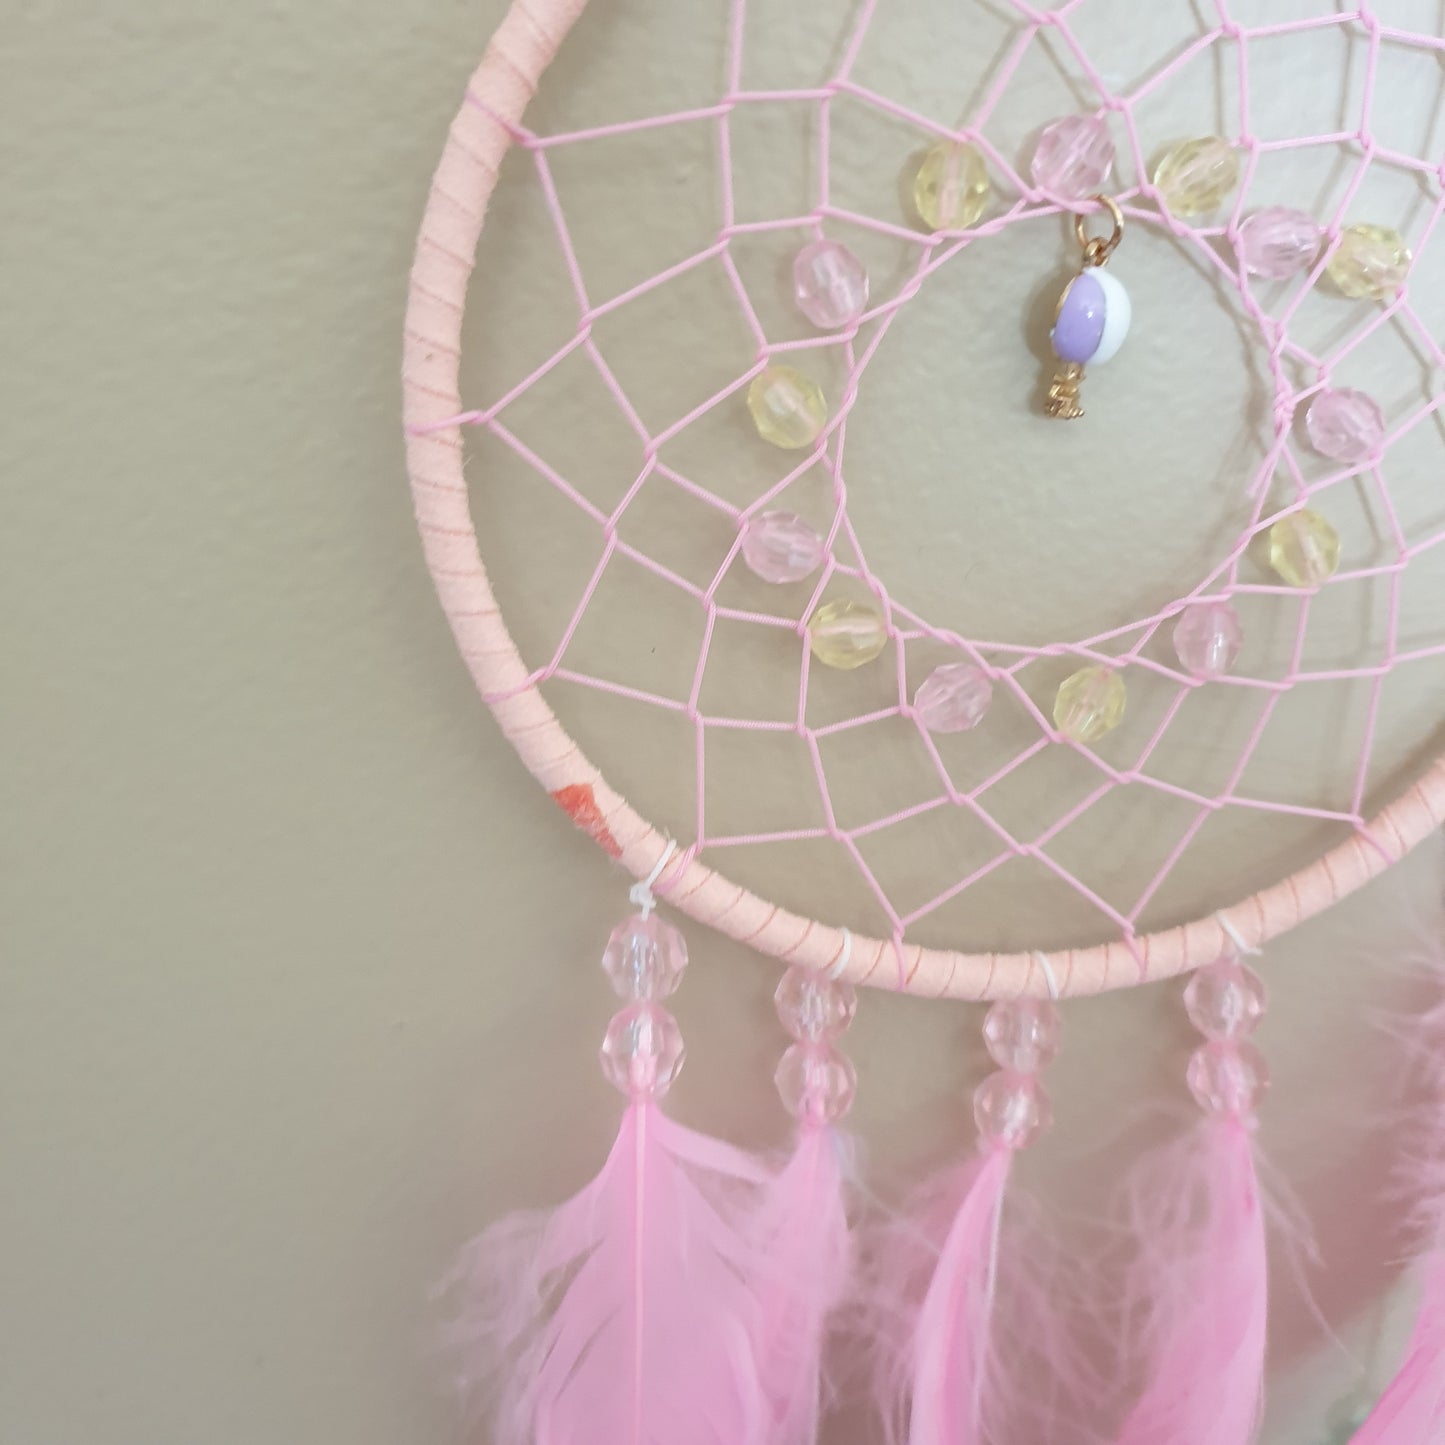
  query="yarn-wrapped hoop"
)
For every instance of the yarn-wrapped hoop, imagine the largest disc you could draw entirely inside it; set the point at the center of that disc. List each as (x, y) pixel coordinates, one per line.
(480, 135)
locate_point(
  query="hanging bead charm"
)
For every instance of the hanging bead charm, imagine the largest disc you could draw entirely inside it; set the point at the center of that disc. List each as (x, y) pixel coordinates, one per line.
(815, 1078)
(1092, 317)
(1011, 1107)
(1227, 1074)
(642, 1050)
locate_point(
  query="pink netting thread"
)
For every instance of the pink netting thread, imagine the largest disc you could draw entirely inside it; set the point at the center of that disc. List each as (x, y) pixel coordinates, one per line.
(490, 121)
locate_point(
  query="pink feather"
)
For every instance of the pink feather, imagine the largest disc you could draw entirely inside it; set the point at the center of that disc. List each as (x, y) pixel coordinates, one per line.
(951, 1343)
(1412, 1409)
(807, 1258)
(968, 1306)
(628, 1316)
(1200, 1291)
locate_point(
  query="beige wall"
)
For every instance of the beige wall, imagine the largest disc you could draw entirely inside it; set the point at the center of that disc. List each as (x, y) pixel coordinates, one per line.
(297, 984)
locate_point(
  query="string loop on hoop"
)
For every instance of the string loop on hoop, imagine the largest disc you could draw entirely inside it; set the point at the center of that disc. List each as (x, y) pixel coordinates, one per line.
(640, 893)
(1042, 959)
(1235, 937)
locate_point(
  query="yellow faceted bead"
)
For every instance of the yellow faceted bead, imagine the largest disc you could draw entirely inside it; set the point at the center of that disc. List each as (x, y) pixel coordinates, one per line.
(951, 187)
(787, 407)
(1304, 549)
(1370, 261)
(845, 635)
(1089, 704)
(1196, 175)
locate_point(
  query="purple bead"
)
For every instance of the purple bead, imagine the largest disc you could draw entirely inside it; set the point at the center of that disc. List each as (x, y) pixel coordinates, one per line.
(1345, 425)
(1074, 157)
(1278, 242)
(1079, 326)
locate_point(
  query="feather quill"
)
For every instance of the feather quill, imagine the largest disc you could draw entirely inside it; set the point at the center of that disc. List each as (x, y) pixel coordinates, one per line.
(629, 1315)
(967, 1304)
(951, 1344)
(806, 1273)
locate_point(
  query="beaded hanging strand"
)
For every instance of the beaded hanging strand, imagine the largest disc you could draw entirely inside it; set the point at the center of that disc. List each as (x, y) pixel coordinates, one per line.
(806, 1235)
(630, 1312)
(1198, 1217)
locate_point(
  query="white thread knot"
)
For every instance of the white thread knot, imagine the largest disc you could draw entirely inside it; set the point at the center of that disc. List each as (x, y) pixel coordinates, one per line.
(641, 894)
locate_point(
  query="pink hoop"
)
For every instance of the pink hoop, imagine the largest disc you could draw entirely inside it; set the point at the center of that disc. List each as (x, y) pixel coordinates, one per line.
(502, 86)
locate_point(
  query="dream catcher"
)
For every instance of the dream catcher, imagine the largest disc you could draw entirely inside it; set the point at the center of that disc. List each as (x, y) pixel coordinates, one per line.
(836, 336)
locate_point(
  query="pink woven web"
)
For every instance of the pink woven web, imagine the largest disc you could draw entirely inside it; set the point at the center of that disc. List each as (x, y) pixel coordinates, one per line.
(1128, 646)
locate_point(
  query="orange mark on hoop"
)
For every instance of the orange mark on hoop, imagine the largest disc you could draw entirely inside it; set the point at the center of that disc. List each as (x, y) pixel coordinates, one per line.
(579, 804)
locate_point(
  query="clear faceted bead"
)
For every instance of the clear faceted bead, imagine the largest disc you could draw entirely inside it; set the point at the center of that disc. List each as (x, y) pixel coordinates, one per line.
(1011, 1109)
(830, 284)
(1278, 242)
(1089, 704)
(951, 187)
(845, 635)
(1369, 262)
(781, 547)
(1207, 638)
(1304, 548)
(645, 957)
(1196, 175)
(787, 407)
(953, 698)
(1022, 1034)
(1225, 1001)
(1228, 1079)
(1074, 157)
(1345, 425)
(816, 1082)
(812, 1007)
(642, 1050)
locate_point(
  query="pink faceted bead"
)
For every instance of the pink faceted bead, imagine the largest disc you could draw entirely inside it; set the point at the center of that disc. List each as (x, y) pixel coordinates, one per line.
(642, 1051)
(1207, 638)
(1022, 1034)
(816, 1082)
(953, 698)
(812, 1007)
(1074, 157)
(1011, 1109)
(1345, 425)
(1228, 1079)
(830, 284)
(1225, 1001)
(645, 957)
(781, 547)
(1278, 242)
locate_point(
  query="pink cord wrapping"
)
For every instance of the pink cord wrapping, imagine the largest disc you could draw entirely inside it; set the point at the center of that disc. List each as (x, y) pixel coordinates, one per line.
(483, 130)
